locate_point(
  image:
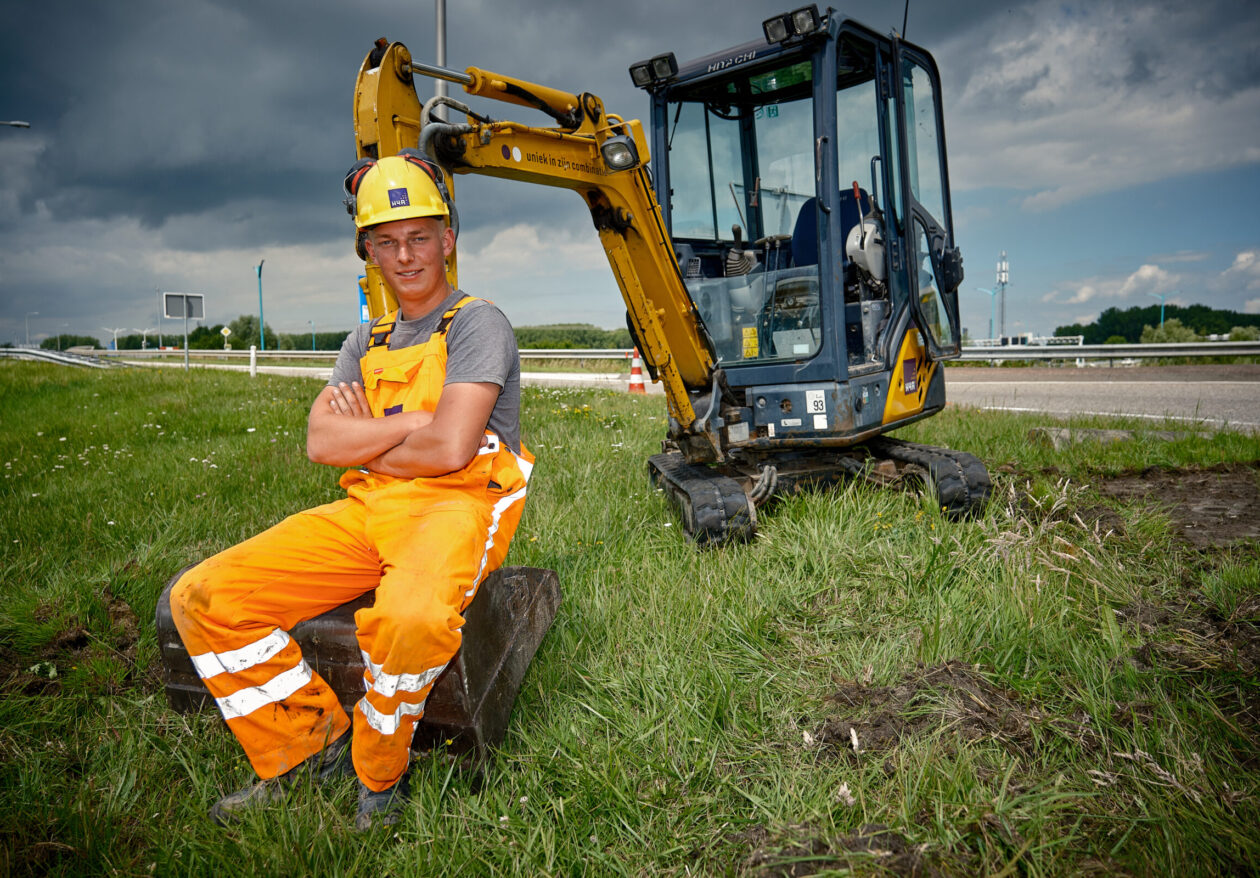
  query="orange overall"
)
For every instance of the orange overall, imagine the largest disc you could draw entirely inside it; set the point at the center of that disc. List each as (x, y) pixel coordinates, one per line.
(424, 544)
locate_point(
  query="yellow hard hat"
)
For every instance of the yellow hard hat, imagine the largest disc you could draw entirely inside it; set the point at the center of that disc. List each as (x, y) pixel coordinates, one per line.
(396, 187)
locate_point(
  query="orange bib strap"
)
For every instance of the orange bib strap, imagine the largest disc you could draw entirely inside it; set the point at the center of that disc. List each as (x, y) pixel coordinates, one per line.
(379, 334)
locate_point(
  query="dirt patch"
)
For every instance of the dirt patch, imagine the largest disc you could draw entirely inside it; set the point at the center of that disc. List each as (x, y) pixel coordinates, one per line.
(952, 698)
(1192, 636)
(873, 845)
(123, 622)
(1210, 507)
(1193, 639)
(43, 672)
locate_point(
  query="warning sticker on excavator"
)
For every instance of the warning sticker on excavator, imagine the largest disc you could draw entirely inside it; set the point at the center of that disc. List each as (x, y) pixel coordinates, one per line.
(750, 342)
(908, 377)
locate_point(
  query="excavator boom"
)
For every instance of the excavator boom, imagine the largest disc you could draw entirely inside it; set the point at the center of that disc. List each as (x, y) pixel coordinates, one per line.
(571, 155)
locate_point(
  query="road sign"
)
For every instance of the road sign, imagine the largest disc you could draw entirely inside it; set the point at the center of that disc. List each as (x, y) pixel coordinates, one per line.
(184, 306)
(225, 332)
(189, 306)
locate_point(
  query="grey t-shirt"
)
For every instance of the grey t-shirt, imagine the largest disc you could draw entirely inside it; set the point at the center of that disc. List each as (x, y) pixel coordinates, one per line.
(480, 348)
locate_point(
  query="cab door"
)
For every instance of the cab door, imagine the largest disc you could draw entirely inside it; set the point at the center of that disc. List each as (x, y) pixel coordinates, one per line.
(935, 264)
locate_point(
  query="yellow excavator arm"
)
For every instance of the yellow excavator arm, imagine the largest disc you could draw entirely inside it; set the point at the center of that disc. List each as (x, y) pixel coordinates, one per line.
(600, 156)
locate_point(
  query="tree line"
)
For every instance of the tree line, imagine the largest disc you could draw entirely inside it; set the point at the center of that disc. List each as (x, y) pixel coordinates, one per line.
(1141, 325)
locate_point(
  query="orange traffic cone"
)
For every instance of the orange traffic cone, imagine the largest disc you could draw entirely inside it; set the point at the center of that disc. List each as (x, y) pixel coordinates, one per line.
(636, 374)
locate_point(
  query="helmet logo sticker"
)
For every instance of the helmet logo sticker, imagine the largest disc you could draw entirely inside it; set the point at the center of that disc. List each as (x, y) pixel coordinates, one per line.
(398, 198)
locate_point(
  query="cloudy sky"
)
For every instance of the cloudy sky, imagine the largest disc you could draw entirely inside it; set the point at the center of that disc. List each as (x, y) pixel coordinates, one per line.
(1111, 148)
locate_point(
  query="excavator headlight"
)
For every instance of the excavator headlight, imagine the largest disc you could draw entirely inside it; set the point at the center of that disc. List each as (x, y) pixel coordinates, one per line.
(619, 152)
(645, 74)
(641, 74)
(664, 66)
(805, 20)
(797, 23)
(776, 29)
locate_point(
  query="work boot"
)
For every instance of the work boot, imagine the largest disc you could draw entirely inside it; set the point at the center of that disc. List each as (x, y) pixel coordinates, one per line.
(381, 809)
(331, 763)
(321, 768)
(231, 807)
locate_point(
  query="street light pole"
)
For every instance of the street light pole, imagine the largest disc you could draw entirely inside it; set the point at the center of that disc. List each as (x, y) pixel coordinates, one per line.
(29, 315)
(144, 337)
(115, 332)
(312, 323)
(1003, 278)
(262, 339)
(1161, 298)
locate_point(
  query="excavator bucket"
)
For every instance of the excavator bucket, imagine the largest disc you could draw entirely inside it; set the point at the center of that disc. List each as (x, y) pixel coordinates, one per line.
(470, 703)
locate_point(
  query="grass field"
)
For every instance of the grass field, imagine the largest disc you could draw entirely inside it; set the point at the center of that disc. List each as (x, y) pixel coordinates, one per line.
(1067, 685)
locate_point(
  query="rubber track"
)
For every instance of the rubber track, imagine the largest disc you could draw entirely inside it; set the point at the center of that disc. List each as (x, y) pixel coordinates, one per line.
(960, 479)
(715, 509)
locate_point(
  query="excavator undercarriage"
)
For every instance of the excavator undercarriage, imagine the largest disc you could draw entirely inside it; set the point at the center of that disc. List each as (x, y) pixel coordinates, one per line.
(718, 504)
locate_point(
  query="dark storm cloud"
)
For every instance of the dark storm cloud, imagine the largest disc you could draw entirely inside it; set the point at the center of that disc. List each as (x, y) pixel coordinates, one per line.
(152, 110)
(171, 141)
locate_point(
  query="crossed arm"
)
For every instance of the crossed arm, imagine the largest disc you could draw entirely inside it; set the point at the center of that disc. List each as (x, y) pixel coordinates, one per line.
(342, 432)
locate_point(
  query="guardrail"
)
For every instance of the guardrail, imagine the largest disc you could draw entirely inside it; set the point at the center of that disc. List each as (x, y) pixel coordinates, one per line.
(575, 354)
(65, 359)
(526, 354)
(1114, 351)
(1008, 352)
(217, 354)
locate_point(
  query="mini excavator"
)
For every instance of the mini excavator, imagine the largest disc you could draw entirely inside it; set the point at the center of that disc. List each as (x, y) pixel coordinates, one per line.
(782, 238)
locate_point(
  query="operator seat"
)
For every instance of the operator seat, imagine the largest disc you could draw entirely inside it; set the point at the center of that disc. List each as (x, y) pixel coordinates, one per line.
(805, 233)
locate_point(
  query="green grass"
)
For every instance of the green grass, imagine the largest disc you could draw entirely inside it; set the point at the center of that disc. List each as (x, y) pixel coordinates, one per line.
(675, 721)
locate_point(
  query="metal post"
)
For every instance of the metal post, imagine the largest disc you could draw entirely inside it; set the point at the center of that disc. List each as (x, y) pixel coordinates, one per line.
(312, 323)
(185, 333)
(159, 295)
(262, 339)
(29, 315)
(1003, 277)
(253, 361)
(439, 86)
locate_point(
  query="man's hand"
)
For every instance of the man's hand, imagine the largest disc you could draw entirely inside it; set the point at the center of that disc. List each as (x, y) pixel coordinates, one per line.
(350, 401)
(457, 430)
(342, 432)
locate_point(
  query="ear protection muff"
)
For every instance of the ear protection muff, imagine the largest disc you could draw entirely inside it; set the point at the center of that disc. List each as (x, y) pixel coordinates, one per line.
(350, 186)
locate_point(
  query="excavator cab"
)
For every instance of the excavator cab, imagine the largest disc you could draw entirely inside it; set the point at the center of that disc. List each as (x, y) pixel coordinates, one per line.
(803, 180)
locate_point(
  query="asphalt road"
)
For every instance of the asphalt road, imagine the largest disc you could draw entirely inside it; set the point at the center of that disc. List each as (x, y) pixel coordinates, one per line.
(1209, 395)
